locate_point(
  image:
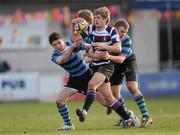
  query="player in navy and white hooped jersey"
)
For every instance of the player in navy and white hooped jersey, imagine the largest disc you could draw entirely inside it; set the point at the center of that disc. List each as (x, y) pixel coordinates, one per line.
(103, 35)
(108, 36)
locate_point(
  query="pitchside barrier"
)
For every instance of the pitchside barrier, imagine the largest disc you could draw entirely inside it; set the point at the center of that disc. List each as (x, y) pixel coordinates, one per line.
(34, 86)
(164, 84)
(19, 86)
(51, 85)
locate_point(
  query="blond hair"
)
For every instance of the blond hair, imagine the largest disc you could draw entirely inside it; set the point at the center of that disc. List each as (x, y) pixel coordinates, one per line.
(104, 12)
(86, 14)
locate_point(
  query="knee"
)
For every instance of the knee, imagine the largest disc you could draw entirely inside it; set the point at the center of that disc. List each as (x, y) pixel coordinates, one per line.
(91, 85)
(109, 100)
(60, 101)
(116, 94)
(133, 89)
(105, 103)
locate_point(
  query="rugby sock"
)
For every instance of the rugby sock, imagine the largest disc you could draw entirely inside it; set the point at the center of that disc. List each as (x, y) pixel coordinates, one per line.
(89, 99)
(118, 108)
(121, 100)
(64, 113)
(140, 101)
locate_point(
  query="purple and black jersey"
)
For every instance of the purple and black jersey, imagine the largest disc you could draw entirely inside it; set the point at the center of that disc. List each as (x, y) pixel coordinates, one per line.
(108, 36)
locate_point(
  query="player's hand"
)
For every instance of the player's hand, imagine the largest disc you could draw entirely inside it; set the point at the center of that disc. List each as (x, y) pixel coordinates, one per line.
(98, 54)
(73, 22)
(97, 46)
(105, 55)
(76, 20)
(74, 45)
(79, 41)
(87, 59)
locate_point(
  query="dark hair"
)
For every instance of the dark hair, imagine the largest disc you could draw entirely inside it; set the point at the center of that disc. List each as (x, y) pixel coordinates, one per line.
(54, 36)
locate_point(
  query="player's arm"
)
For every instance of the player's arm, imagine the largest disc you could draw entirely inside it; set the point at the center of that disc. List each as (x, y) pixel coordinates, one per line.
(87, 46)
(127, 44)
(95, 55)
(116, 59)
(115, 48)
(91, 53)
(73, 34)
(125, 50)
(62, 59)
(87, 59)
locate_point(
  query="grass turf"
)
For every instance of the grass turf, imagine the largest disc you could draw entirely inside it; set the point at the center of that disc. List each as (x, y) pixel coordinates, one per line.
(36, 118)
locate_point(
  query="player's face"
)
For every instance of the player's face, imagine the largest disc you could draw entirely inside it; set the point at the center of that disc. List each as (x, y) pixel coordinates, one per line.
(58, 44)
(99, 21)
(121, 31)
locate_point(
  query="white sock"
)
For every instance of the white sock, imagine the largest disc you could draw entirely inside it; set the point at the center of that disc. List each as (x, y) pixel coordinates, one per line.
(84, 111)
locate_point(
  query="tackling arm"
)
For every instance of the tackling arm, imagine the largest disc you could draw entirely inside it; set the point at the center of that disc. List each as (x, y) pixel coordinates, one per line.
(115, 48)
(62, 59)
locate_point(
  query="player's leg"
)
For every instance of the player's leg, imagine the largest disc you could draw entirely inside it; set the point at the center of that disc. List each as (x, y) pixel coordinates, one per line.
(101, 100)
(105, 90)
(116, 80)
(94, 83)
(132, 84)
(116, 90)
(63, 110)
(116, 83)
(141, 103)
(101, 74)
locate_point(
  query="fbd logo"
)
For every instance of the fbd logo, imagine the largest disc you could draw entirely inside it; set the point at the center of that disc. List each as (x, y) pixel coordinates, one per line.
(13, 84)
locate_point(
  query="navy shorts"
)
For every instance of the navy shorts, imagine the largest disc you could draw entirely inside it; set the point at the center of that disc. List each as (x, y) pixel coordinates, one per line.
(106, 69)
(127, 69)
(80, 83)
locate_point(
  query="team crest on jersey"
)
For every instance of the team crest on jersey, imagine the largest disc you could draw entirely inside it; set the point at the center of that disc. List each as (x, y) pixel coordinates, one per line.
(117, 39)
(104, 39)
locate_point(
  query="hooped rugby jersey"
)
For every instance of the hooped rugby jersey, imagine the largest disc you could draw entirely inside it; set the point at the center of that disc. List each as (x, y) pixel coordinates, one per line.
(126, 46)
(74, 65)
(108, 36)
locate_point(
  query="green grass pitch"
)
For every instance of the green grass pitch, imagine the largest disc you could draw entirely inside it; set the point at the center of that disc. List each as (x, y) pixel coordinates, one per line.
(36, 118)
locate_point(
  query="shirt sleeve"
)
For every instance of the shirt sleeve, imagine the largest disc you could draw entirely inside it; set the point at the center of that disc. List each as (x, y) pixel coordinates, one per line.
(54, 57)
(114, 36)
(80, 47)
(126, 46)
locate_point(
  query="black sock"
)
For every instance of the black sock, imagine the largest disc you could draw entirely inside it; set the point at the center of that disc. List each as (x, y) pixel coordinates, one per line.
(89, 99)
(119, 109)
